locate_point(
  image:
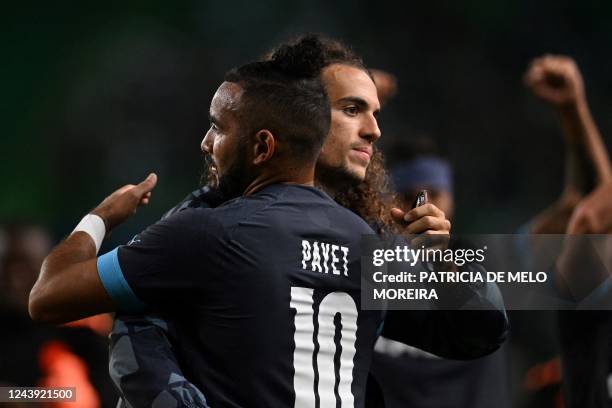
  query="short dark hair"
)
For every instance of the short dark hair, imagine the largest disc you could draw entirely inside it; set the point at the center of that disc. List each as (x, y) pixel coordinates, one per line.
(288, 100)
(315, 52)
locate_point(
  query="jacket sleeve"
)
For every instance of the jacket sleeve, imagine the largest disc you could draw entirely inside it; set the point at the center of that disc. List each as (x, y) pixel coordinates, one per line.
(473, 326)
(144, 367)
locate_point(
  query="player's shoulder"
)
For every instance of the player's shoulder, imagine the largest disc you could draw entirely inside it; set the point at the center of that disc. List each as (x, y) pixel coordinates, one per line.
(191, 220)
(292, 203)
(203, 197)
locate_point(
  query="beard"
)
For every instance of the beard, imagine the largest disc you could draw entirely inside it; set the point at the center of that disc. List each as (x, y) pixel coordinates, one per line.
(234, 181)
(335, 178)
(209, 174)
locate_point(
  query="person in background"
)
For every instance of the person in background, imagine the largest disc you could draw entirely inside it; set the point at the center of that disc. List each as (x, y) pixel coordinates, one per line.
(425, 172)
(585, 336)
(406, 375)
(556, 80)
(40, 355)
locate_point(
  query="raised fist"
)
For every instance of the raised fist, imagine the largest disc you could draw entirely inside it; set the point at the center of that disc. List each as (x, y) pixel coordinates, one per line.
(555, 79)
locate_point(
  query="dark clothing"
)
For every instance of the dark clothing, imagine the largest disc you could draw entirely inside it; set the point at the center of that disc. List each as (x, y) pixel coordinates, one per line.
(410, 377)
(263, 292)
(153, 342)
(586, 341)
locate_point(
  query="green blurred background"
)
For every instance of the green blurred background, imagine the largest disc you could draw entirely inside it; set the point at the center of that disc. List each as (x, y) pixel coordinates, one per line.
(97, 95)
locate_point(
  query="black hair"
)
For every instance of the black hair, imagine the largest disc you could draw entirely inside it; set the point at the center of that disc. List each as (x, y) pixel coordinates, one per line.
(288, 100)
(313, 52)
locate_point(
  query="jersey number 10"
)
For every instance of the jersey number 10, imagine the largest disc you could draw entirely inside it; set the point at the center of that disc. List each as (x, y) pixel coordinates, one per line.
(310, 362)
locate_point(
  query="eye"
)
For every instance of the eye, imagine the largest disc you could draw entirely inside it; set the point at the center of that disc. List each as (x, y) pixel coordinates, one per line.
(213, 127)
(351, 110)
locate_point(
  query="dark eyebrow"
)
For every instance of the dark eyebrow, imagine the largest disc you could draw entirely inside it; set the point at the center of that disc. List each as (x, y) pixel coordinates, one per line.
(360, 102)
(212, 119)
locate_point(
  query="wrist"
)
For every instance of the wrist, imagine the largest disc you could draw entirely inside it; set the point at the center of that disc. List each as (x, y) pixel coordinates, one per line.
(573, 106)
(94, 226)
(105, 218)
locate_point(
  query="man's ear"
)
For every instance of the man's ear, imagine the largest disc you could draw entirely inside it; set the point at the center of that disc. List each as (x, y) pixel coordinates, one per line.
(263, 146)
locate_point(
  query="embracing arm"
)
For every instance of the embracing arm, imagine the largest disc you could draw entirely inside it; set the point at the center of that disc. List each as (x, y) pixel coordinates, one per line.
(148, 339)
(69, 287)
(453, 334)
(152, 338)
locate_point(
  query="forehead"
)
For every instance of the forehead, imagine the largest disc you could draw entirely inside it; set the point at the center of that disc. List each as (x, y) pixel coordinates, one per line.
(343, 81)
(226, 99)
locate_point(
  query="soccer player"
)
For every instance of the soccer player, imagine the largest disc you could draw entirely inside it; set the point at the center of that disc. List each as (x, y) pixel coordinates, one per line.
(352, 180)
(254, 286)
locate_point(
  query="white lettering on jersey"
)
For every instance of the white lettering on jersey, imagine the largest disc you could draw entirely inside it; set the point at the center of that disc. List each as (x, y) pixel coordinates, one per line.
(322, 257)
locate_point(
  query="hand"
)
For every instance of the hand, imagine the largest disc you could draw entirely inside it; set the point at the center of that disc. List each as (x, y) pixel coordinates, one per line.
(426, 219)
(386, 85)
(123, 203)
(556, 79)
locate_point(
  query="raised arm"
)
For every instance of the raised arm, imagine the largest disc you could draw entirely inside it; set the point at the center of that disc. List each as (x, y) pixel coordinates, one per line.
(585, 262)
(557, 80)
(69, 287)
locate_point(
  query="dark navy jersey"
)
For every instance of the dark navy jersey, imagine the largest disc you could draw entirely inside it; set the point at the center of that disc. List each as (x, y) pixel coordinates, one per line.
(264, 295)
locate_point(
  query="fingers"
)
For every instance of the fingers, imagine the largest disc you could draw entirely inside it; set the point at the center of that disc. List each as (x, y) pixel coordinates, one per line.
(421, 219)
(553, 64)
(534, 74)
(432, 240)
(145, 199)
(141, 192)
(397, 215)
(429, 225)
(146, 186)
(551, 73)
(427, 209)
(123, 189)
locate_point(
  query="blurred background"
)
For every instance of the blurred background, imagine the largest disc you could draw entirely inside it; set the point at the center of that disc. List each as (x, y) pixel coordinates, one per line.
(95, 96)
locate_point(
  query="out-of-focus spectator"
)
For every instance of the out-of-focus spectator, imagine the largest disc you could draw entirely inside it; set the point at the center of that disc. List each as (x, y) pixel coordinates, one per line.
(557, 81)
(585, 337)
(405, 375)
(38, 355)
(428, 172)
(25, 248)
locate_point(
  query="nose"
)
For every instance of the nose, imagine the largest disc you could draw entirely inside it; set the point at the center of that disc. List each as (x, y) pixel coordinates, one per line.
(369, 129)
(207, 143)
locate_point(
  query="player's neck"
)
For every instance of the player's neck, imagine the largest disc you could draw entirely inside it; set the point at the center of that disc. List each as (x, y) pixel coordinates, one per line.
(304, 177)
